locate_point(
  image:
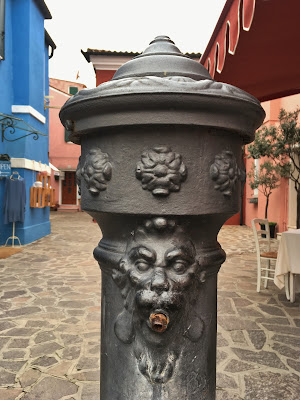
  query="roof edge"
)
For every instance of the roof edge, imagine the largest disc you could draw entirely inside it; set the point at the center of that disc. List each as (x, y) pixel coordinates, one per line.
(86, 55)
(95, 52)
(219, 24)
(65, 80)
(59, 90)
(49, 40)
(43, 8)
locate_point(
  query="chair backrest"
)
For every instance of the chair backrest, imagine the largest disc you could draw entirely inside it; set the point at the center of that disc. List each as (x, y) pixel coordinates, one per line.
(262, 234)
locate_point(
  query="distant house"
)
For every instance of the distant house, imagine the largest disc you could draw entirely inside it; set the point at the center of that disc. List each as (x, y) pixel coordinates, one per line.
(63, 154)
(25, 48)
(106, 62)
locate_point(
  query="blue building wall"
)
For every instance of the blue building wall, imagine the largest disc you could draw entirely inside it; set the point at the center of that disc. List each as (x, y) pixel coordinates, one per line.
(24, 81)
(21, 50)
(6, 72)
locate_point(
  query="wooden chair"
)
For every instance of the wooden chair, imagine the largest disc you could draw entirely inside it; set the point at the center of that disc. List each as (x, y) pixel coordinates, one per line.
(262, 239)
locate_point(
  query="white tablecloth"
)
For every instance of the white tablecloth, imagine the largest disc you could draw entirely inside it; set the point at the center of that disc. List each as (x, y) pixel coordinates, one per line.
(288, 259)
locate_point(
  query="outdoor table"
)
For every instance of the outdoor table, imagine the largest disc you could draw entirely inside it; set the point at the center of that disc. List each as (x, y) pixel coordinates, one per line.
(288, 261)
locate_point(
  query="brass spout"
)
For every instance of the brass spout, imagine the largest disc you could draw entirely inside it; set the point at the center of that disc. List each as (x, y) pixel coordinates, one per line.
(158, 322)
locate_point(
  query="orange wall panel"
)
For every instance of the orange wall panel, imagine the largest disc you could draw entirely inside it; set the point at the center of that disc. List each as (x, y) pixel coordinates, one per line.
(103, 76)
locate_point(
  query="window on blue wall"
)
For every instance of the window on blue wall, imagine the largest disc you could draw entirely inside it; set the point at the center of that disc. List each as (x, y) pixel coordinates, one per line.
(2, 29)
(73, 90)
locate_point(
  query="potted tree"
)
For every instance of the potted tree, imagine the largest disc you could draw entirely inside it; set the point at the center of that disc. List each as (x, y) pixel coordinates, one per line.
(266, 180)
(281, 144)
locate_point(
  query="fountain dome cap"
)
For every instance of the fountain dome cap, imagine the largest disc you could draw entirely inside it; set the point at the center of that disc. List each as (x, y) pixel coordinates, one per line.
(162, 87)
(163, 59)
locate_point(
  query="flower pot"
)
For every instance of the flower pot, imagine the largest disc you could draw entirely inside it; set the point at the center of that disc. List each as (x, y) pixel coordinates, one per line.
(272, 229)
(272, 226)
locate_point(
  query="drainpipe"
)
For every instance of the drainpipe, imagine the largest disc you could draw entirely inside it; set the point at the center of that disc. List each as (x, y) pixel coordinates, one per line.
(50, 43)
(2, 30)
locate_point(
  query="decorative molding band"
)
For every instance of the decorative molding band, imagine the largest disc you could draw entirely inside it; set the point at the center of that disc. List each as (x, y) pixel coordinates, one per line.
(25, 163)
(28, 110)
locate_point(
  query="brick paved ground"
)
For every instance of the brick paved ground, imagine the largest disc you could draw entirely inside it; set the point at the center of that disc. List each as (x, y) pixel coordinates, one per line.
(50, 321)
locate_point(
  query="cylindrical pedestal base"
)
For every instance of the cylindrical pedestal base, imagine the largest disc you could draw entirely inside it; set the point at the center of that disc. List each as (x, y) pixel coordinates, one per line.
(158, 332)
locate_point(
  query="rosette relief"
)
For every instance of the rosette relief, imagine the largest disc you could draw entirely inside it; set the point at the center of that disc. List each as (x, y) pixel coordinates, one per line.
(225, 172)
(161, 171)
(96, 171)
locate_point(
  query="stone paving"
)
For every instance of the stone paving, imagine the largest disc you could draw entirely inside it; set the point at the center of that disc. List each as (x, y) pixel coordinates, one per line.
(50, 315)
(50, 320)
(258, 333)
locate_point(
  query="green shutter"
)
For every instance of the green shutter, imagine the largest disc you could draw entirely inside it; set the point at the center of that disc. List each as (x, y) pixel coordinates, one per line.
(73, 90)
(67, 134)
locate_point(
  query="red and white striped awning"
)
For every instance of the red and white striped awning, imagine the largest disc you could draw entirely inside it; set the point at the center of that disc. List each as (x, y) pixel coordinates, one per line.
(255, 46)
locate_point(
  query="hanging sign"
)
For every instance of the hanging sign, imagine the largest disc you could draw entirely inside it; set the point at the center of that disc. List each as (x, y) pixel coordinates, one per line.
(5, 168)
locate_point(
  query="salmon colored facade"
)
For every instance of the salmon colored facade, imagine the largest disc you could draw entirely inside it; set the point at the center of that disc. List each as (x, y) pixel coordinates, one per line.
(63, 155)
(253, 47)
(283, 200)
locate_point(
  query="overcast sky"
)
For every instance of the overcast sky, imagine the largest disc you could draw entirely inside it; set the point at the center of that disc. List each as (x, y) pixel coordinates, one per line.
(124, 25)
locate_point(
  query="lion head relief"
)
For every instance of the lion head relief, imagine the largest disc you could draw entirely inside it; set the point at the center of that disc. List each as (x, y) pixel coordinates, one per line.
(154, 275)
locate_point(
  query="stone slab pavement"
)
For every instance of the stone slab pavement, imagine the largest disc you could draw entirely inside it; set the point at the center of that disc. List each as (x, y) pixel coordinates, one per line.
(50, 320)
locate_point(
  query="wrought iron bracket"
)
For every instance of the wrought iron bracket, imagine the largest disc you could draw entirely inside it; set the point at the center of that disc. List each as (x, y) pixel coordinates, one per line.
(9, 124)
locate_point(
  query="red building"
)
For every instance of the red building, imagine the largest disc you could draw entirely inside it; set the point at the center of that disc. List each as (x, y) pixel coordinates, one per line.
(106, 63)
(254, 46)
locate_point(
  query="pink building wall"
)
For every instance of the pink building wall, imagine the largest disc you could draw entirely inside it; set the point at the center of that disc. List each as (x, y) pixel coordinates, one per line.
(278, 210)
(63, 155)
(63, 86)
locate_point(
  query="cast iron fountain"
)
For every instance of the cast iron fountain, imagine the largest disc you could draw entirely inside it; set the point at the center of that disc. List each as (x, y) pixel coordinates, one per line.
(160, 171)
